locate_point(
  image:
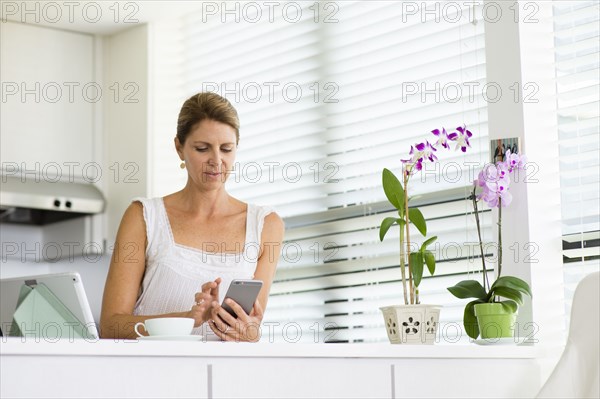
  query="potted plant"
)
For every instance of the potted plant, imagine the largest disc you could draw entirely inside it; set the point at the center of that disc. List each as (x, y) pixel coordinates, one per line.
(487, 315)
(413, 322)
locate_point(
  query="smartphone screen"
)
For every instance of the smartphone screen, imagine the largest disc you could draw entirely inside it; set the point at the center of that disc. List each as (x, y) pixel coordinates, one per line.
(244, 293)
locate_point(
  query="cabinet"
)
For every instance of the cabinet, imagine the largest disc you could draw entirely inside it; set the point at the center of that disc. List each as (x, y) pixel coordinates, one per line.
(48, 99)
(301, 378)
(108, 368)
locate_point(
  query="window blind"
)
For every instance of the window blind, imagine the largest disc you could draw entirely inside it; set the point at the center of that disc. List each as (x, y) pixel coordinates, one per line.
(577, 54)
(326, 102)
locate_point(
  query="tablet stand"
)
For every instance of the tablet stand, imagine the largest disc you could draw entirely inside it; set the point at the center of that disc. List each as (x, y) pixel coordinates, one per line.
(41, 314)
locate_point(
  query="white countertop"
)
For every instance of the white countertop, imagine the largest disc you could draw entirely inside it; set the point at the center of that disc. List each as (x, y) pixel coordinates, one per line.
(107, 347)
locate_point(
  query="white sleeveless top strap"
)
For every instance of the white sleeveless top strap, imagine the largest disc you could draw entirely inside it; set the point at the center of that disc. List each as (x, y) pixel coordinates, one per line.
(175, 272)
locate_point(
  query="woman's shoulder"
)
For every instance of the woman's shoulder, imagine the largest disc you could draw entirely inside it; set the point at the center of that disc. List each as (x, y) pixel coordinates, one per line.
(264, 216)
(147, 210)
(142, 202)
(272, 223)
(133, 222)
(265, 212)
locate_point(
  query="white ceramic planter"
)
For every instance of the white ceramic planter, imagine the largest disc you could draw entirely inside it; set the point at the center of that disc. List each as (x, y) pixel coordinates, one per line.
(411, 324)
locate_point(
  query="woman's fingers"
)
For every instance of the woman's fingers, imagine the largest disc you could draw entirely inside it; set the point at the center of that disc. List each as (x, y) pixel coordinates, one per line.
(202, 298)
(237, 309)
(225, 324)
(225, 333)
(225, 316)
(257, 310)
(207, 286)
(211, 285)
(201, 307)
(214, 291)
(212, 288)
(228, 328)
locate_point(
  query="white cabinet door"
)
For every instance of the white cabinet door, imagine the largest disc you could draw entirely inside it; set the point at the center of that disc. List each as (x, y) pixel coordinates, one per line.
(103, 377)
(48, 96)
(466, 378)
(301, 378)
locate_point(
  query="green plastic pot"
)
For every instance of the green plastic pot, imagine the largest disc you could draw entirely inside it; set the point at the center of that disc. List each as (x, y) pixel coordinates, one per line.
(495, 321)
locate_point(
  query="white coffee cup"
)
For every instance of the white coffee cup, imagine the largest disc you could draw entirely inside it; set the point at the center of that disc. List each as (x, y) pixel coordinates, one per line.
(174, 326)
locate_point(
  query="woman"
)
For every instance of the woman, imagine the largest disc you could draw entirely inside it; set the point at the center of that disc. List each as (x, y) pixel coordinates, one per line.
(175, 256)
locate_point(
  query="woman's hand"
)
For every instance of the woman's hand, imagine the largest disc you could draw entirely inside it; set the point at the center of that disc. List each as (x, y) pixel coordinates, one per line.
(245, 328)
(201, 310)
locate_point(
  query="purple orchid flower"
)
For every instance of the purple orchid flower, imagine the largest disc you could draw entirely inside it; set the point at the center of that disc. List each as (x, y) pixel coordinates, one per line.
(419, 153)
(514, 161)
(494, 181)
(428, 152)
(442, 137)
(462, 138)
(424, 150)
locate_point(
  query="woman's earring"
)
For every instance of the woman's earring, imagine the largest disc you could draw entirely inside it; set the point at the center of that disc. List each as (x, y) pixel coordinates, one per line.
(182, 165)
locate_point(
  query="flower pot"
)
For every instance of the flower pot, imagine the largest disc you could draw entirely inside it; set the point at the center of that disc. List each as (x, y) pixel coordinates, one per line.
(495, 321)
(411, 324)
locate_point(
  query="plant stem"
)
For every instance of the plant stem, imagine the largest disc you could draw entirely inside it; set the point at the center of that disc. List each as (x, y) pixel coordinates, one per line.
(410, 279)
(499, 236)
(485, 275)
(402, 265)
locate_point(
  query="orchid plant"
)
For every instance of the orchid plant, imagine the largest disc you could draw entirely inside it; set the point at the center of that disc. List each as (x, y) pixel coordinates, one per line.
(494, 183)
(397, 194)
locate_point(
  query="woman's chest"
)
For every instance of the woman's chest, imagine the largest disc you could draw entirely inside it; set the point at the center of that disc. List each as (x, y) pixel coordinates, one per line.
(223, 235)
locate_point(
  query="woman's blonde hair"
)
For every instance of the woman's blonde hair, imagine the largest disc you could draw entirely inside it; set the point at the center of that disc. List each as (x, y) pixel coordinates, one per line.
(203, 106)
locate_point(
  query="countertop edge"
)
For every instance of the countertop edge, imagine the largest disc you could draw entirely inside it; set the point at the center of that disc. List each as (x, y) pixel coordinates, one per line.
(29, 347)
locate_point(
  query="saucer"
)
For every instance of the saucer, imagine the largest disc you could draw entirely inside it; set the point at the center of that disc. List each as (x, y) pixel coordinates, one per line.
(171, 338)
(500, 341)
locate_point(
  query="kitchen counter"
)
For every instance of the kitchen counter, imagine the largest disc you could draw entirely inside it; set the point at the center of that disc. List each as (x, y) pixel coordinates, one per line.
(129, 368)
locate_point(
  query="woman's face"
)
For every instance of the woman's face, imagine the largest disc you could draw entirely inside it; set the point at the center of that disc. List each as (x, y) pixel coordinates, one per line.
(208, 153)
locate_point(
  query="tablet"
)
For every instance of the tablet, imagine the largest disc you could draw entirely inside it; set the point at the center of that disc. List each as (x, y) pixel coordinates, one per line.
(59, 299)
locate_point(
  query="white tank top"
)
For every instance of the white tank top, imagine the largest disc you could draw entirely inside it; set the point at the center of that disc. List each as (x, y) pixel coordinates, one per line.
(175, 272)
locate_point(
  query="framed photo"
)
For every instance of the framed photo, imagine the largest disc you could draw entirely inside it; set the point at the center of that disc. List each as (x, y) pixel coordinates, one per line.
(498, 148)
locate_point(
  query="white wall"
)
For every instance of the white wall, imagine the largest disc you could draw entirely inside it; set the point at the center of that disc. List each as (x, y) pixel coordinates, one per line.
(125, 66)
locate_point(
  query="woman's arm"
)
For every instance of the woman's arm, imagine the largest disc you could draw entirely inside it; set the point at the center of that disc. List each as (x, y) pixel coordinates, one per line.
(246, 327)
(272, 236)
(124, 279)
(123, 282)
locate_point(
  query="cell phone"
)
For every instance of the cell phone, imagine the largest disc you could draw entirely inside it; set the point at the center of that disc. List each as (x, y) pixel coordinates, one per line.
(244, 293)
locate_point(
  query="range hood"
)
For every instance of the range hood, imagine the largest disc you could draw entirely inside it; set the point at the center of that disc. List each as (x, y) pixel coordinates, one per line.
(27, 201)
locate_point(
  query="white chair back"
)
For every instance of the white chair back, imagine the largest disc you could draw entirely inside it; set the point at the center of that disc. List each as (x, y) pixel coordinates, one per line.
(577, 373)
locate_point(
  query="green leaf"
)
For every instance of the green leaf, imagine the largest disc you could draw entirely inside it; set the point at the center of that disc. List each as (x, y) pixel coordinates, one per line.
(510, 306)
(468, 289)
(430, 261)
(385, 226)
(393, 189)
(470, 320)
(401, 210)
(416, 264)
(428, 243)
(513, 282)
(507, 293)
(416, 218)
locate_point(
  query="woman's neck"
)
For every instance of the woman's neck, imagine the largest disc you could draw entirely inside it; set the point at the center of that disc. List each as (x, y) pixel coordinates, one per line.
(204, 203)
